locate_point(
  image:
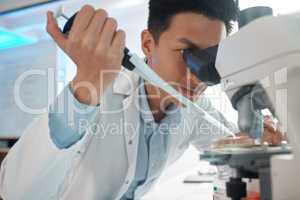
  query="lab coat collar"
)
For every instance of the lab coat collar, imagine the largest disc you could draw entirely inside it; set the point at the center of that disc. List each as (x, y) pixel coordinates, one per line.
(125, 83)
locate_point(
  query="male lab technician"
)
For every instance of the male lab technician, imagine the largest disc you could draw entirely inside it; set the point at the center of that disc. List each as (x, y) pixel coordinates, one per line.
(110, 134)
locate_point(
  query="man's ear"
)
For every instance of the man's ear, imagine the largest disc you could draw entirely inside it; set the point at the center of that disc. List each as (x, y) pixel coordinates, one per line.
(148, 43)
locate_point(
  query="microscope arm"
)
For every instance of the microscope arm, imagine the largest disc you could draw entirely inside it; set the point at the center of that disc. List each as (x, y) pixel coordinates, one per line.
(249, 101)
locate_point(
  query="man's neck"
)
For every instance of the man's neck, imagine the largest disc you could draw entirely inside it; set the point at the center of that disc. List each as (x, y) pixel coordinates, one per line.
(155, 99)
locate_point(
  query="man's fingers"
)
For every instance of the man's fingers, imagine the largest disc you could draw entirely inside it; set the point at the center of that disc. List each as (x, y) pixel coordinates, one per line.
(107, 34)
(96, 26)
(118, 43)
(54, 31)
(82, 20)
(242, 135)
(271, 137)
(98, 21)
(269, 125)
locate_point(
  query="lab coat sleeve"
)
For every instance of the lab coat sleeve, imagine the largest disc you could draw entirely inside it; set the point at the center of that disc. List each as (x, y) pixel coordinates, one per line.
(35, 168)
(68, 119)
(204, 134)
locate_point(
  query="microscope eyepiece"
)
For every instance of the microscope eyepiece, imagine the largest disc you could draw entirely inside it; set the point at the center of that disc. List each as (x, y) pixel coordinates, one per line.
(202, 62)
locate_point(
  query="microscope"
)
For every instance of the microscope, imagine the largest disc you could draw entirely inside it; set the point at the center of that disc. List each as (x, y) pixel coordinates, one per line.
(259, 69)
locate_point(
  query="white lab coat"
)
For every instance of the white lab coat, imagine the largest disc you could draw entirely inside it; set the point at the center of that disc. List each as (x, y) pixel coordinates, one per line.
(97, 167)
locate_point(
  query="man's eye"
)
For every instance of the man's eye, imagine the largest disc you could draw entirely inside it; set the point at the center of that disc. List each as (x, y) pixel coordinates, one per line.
(181, 49)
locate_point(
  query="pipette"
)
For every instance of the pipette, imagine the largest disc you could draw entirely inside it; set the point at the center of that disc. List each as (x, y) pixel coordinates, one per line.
(137, 65)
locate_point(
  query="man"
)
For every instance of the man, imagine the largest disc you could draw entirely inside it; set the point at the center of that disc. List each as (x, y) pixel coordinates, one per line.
(109, 135)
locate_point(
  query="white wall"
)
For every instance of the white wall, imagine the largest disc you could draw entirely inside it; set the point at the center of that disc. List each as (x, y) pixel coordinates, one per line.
(15, 4)
(279, 6)
(34, 89)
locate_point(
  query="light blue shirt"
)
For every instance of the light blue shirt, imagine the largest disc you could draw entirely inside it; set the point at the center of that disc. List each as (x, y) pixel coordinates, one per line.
(152, 147)
(152, 141)
(65, 116)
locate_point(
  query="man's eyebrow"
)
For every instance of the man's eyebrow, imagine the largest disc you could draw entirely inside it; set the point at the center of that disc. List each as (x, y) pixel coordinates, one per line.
(189, 43)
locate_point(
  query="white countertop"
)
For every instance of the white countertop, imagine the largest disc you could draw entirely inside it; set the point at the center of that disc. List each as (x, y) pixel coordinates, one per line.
(171, 186)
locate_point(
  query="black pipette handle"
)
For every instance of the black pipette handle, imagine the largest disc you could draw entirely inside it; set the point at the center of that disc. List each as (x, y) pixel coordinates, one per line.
(126, 60)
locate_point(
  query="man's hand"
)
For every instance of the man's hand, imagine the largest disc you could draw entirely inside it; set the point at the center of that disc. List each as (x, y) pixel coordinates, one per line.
(96, 47)
(271, 133)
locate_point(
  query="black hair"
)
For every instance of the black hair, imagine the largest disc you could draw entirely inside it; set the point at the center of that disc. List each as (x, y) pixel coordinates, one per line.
(162, 11)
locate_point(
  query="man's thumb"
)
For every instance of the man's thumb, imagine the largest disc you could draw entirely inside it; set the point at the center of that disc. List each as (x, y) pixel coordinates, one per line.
(54, 31)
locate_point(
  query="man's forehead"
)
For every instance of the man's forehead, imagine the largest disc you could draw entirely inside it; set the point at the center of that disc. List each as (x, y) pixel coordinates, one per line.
(190, 42)
(196, 30)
